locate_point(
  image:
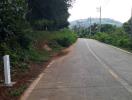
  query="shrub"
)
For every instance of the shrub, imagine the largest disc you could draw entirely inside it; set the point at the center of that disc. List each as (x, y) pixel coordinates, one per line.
(103, 37)
(118, 38)
(65, 42)
(24, 41)
(65, 38)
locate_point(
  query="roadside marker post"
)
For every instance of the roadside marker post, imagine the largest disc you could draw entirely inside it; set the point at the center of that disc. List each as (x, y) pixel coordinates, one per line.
(7, 73)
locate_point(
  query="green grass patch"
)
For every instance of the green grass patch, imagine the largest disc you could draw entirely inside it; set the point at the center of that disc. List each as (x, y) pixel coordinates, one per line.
(39, 56)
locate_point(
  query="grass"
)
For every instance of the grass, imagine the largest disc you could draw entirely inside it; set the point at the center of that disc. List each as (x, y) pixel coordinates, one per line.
(39, 56)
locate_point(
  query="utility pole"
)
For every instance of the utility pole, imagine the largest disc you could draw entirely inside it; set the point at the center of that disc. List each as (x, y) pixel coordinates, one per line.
(100, 17)
(100, 9)
(131, 21)
(90, 26)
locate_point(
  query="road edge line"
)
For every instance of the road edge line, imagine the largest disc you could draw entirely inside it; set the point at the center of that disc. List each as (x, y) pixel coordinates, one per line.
(120, 49)
(125, 51)
(122, 81)
(28, 91)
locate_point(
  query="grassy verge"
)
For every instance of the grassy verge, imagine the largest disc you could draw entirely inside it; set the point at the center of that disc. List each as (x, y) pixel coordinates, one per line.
(120, 40)
(28, 63)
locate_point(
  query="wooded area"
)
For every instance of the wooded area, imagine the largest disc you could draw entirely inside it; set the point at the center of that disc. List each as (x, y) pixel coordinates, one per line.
(15, 16)
(31, 32)
(20, 17)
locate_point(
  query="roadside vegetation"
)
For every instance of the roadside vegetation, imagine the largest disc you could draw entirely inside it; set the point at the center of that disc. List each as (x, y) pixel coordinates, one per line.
(31, 32)
(110, 34)
(117, 39)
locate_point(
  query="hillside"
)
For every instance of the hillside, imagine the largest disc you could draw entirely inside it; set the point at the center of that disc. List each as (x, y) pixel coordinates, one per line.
(86, 22)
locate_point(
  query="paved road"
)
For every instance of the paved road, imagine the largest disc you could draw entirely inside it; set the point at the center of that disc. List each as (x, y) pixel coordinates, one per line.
(91, 71)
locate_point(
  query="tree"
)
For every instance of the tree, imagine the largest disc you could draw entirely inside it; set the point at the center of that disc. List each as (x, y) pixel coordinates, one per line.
(128, 26)
(12, 19)
(108, 28)
(94, 28)
(53, 11)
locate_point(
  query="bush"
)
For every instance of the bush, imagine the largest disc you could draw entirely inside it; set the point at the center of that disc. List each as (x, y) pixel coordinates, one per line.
(68, 38)
(118, 38)
(103, 37)
(26, 48)
(24, 41)
(122, 42)
(65, 42)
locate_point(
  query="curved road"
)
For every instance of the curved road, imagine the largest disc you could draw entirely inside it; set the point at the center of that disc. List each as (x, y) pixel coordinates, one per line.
(91, 71)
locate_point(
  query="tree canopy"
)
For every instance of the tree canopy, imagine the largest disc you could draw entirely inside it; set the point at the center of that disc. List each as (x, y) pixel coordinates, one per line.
(48, 14)
(42, 15)
(128, 26)
(12, 19)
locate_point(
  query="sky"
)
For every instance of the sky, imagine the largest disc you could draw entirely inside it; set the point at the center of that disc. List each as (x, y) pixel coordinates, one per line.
(119, 10)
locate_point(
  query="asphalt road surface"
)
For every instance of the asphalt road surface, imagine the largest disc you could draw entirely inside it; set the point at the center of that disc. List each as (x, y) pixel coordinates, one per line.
(91, 71)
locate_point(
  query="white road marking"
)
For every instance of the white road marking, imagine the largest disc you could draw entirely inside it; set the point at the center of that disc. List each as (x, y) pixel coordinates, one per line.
(115, 47)
(50, 64)
(124, 83)
(34, 84)
(121, 49)
(31, 87)
(113, 74)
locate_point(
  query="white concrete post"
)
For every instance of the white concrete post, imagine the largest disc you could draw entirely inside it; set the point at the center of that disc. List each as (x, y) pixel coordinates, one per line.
(7, 70)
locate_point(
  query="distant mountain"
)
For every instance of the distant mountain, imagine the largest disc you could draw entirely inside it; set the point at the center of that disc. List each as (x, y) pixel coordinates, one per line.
(86, 22)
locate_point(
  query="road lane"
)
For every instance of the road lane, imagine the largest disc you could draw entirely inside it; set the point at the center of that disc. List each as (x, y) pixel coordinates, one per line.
(111, 71)
(82, 76)
(119, 61)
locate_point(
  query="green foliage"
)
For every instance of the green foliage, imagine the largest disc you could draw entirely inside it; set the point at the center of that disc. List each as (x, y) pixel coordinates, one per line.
(128, 26)
(63, 37)
(26, 45)
(42, 24)
(103, 37)
(12, 20)
(38, 56)
(13, 40)
(18, 40)
(117, 38)
(55, 12)
(21, 56)
(108, 28)
(93, 29)
(68, 38)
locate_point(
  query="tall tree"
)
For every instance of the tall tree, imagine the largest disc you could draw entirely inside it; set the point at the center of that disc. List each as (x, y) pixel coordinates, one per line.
(55, 12)
(11, 18)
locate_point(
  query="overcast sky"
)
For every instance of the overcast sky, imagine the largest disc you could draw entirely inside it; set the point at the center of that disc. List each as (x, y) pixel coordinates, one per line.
(116, 9)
